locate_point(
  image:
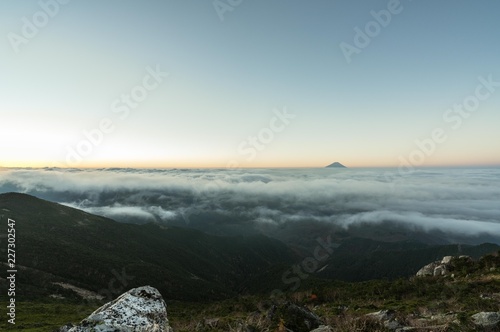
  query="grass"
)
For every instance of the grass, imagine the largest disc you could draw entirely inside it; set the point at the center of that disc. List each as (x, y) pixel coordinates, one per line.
(344, 305)
(39, 316)
(340, 304)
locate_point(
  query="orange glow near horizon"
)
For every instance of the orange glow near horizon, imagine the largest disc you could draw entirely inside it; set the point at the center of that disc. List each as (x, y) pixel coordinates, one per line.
(238, 164)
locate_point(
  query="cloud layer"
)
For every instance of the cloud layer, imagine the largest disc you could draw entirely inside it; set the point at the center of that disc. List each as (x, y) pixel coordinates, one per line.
(464, 202)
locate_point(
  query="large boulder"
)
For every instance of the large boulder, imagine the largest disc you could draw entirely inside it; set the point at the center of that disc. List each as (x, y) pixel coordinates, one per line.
(140, 309)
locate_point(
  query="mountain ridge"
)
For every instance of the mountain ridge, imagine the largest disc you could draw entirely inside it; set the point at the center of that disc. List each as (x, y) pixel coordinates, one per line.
(89, 251)
(63, 245)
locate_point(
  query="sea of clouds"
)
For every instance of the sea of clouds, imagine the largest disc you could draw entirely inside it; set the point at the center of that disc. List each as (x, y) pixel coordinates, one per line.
(465, 202)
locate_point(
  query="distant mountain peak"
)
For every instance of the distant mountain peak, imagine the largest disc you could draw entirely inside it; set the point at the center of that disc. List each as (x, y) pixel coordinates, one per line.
(336, 165)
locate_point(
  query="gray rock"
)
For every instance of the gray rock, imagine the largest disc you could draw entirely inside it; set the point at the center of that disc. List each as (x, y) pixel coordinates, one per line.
(387, 317)
(140, 309)
(487, 319)
(427, 270)
(323, 328)
(446, 259)
(66, 327)
(295, 317)
(440, 270)
(382, 315)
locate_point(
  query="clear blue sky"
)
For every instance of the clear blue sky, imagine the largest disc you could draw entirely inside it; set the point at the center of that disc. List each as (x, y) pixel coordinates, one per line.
(228, 79)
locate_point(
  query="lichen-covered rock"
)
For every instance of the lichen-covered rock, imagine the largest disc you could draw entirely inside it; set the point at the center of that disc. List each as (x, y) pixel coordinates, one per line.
(138, 310)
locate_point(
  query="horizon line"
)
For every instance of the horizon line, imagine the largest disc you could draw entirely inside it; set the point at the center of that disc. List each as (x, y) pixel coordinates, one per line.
(253, 167)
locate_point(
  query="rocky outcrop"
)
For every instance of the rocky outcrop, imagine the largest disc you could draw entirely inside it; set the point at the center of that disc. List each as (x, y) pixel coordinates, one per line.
(440, 268)
(427, 270)
(140, 309)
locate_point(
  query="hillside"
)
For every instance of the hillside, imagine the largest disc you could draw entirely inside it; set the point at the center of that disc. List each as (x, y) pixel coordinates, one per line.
(457, 302)
(439, 304)
(59, 244)
(361, 259)
(56, 243)
(71, 262)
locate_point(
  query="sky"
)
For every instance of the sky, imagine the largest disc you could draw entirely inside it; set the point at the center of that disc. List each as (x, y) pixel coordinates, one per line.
(239, 83)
